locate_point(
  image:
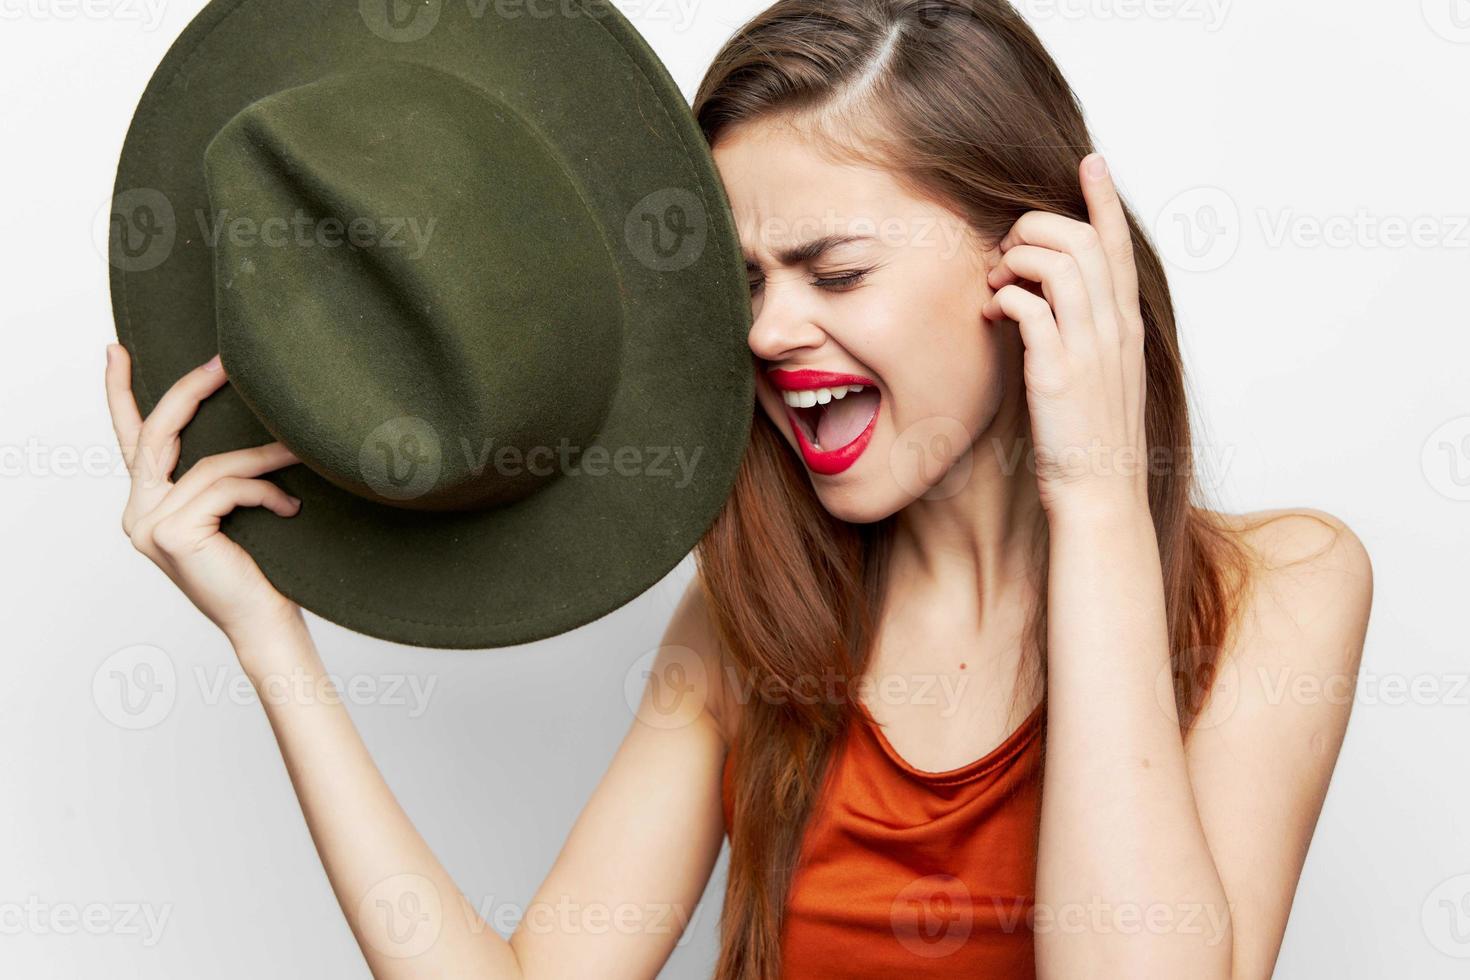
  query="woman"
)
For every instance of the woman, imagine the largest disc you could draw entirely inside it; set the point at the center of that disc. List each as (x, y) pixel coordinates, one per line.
(964, 560)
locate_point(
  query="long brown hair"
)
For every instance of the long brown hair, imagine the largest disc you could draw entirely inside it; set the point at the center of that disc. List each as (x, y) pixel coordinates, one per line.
(958, 99)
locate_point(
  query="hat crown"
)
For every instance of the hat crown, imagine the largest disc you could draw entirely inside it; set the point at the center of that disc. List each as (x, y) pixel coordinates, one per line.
(411, 291)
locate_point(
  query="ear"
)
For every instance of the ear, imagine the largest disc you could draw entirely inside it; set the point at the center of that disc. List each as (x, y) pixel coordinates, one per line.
(986, 254)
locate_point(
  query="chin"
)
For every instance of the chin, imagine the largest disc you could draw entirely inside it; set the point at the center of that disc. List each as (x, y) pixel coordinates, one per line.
(858, 504)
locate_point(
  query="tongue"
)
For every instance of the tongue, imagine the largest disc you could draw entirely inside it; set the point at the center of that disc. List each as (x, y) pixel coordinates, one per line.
(843, 420)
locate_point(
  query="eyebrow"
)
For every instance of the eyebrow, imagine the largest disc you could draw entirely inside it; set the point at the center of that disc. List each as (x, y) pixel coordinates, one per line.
(807, 251)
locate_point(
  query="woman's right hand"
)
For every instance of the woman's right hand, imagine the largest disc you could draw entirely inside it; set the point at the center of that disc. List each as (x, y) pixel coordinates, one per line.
(177, 525)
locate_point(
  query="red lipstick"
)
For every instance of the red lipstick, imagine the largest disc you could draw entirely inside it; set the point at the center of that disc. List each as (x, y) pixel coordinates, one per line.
(810, 380)
(825, 462)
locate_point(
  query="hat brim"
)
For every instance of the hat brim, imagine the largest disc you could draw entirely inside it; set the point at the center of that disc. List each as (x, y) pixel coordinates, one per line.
(595, 537)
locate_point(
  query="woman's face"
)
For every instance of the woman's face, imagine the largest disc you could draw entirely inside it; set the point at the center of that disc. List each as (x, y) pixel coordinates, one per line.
(853, 276)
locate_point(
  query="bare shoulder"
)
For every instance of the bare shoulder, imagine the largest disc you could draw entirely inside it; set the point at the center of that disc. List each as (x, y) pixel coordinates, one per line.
(1291, 535)
(1310, 577)
(692, 628)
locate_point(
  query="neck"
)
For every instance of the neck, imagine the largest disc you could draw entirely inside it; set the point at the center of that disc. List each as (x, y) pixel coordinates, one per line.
(971, 552)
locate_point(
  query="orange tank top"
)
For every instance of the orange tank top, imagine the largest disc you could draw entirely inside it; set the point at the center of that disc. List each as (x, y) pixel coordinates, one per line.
(907, 873)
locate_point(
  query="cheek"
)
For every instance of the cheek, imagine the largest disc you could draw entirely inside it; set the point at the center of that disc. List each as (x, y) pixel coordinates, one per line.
(952, 364)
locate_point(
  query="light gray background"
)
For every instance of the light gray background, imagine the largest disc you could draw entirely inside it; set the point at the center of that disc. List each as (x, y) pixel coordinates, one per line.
(1273, 146)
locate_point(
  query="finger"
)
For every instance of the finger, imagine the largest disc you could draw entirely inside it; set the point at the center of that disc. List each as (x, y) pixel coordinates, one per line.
(1084, 244)
(126, 421)
(1061, 284)
(223, 496)
(190, 526)
(1106, 213)
(1034, 316)
(245, 463)
(158, 440)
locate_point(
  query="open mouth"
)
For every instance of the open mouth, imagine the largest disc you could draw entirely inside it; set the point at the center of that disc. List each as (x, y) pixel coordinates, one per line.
(833, 418)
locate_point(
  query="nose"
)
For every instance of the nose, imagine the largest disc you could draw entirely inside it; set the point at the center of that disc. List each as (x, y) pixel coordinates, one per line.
(784, 323)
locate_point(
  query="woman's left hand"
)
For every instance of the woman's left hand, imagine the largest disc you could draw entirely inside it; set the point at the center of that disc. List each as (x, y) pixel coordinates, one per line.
(1084, 369)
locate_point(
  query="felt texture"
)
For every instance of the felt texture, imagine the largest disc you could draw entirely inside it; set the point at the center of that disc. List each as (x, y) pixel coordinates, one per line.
(544, 307)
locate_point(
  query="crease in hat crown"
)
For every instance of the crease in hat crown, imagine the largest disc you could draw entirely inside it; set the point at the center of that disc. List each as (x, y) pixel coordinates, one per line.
(422, 291)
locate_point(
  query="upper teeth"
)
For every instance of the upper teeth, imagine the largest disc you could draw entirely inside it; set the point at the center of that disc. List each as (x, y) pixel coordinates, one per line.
(817, 396)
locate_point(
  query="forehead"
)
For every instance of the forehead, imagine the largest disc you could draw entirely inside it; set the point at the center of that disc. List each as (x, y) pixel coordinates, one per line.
(784, 191)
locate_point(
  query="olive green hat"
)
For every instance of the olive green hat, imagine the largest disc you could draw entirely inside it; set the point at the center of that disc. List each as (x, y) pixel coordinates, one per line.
(469, 260)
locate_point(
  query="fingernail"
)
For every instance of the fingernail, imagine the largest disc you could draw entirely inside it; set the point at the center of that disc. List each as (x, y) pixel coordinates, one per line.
(212, 364)
(1097, 167)
(296, 502)
(111, 353)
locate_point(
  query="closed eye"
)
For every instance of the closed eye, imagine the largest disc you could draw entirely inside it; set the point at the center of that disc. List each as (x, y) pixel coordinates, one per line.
(845, 281)
(838, 283)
